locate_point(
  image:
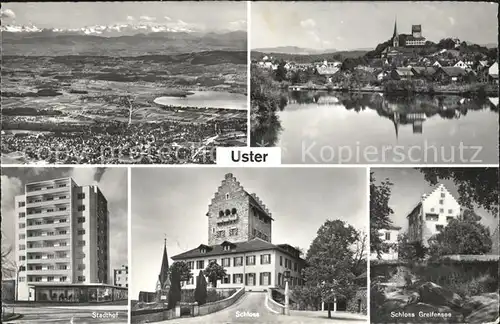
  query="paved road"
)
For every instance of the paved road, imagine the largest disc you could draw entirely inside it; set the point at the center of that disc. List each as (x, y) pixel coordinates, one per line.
(254, 303)
(70, 315)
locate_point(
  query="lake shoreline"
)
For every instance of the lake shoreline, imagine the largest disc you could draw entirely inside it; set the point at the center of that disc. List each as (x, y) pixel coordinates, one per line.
(381, 90)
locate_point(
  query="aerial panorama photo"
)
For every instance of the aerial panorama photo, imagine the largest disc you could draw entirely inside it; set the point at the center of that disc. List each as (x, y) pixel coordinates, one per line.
(122, 83)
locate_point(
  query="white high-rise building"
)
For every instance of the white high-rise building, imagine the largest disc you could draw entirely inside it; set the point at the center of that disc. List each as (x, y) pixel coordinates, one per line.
(62, 242)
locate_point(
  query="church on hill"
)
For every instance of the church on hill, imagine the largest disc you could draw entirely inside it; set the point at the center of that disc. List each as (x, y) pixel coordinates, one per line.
(404, 44)
(240, 240)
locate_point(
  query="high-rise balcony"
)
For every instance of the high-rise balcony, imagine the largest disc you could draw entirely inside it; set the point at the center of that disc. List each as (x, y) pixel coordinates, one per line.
(55, 237)
(49, 272)
(54, 213)
(49, 248)
(48, 226)
(55, 201)
(48, 191)
(49, 261)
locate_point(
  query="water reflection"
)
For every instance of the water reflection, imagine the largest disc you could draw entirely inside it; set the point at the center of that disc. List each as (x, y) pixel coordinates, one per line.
(362, 119)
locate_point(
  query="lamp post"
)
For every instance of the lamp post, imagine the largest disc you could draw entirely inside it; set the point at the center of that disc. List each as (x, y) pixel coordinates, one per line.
(287, 292)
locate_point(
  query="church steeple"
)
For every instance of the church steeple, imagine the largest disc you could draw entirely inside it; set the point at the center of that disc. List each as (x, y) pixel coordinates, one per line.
(395, 36)
(163, 279)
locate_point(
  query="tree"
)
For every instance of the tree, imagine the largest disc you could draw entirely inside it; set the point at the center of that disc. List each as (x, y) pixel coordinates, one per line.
(464, 235)
(280, 73)
(182, 269)
(214, 272)
(8, 266)
(200, 293)
(379, 212)
(266, 100)
(410, 251)
(306, 296)
(174, 294)
(359, 257)
(475, 185)
(330, 261)
(131, 103)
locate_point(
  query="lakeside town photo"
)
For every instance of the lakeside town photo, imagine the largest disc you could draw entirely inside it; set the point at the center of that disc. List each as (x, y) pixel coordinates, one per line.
(376, 82)
(434, 245)
(64, 245)
(123, 82)
(212, 251)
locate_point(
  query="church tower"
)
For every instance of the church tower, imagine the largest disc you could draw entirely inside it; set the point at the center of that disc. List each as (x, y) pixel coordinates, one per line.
(163, 284)
(234, 215)
(395, 35)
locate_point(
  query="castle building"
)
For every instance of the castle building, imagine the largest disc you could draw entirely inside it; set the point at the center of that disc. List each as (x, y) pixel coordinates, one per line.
(121, 276)
(408, 40)
(239, 239)
(431, 214)
(389, 236)
(62, 243)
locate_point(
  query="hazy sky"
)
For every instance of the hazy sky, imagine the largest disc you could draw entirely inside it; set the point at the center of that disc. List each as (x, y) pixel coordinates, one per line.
(351, 25)
(174, 202)
(204, 15)
(112, 182)
(409, 186)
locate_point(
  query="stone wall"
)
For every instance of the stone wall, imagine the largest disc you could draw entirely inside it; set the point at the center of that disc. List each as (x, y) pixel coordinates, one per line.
(277, 307)
(221, 304)
(358, 304)
(151, 315)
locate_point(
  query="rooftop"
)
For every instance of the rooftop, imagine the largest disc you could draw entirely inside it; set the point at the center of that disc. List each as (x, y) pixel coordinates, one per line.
(253, 245)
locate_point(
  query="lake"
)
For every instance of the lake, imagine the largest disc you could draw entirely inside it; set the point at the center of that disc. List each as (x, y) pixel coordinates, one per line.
(370, 128)
(206, 99)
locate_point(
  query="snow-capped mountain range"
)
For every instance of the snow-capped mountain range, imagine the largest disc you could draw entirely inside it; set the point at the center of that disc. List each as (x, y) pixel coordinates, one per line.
(109, 30)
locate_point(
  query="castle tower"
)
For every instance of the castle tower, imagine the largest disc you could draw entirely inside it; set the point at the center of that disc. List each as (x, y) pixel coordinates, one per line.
(395, 35)
(234, 215)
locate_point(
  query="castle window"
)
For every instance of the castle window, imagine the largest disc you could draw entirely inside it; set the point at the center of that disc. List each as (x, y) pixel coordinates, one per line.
(441, 210)
(227, 196)
(432, 209)
(221, 234)
(233, 211)
(221, 213)
(238, 261)
(200, 264)
(228, 212)
(387, 236)
(202, 250)
(449, 218)
(250, 260)
(233, 232)
(450, 211)
(441, 202)
(442, 195)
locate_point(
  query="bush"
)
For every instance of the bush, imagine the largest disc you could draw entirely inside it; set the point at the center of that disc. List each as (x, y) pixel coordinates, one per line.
(174, 294)
(200, 293)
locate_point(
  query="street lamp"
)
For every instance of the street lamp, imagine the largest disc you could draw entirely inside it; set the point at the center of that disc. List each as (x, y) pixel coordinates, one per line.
(286, 275)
